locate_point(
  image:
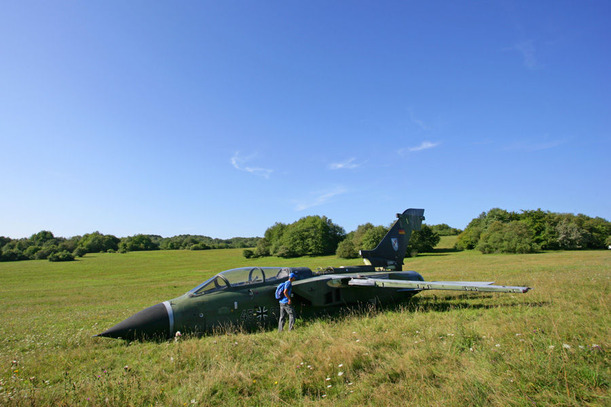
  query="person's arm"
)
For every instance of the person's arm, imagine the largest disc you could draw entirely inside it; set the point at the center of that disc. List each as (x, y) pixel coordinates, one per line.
(287, 294)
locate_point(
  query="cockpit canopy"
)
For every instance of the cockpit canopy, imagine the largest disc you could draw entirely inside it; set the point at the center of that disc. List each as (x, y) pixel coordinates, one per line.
(248, 275)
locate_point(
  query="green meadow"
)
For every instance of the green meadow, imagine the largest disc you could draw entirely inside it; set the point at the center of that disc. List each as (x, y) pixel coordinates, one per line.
(546, 347)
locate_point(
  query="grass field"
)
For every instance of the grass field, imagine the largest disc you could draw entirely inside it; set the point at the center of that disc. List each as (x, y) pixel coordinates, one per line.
(546, 347)
(447, 242)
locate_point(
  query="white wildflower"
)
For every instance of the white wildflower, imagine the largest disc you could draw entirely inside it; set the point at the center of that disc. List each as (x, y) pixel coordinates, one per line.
(566, 346)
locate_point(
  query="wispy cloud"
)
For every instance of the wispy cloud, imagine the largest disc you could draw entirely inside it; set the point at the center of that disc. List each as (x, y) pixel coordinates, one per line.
(320, 198)
(532, 146)
(348, 164)
(240, 163)
(529, 54)
(417, 121)
(425, 145)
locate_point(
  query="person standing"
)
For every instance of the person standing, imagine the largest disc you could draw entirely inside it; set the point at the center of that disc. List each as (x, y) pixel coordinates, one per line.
(286, 306)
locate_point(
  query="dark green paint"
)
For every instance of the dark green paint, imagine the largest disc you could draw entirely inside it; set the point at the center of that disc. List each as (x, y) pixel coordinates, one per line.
(245, 297)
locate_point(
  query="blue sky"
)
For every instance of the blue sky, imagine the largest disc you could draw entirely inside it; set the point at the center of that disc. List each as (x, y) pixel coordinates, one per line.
(223, 117)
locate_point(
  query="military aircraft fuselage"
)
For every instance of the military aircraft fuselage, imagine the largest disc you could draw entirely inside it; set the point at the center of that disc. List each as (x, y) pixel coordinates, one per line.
(245, 297)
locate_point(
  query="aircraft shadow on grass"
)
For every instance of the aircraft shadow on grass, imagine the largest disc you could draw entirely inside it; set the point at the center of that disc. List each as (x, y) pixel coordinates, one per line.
(464, 301)
(368, 310)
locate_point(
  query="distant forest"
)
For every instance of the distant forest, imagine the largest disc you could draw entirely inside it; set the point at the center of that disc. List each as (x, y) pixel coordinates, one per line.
(44, 245)
(319, 236)
(495, 231)
(500, 231)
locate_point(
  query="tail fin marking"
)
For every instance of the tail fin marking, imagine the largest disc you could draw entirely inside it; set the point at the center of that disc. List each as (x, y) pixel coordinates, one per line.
(391, 250)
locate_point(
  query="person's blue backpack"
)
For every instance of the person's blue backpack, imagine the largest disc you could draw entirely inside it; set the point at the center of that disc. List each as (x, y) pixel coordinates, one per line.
(280, 291)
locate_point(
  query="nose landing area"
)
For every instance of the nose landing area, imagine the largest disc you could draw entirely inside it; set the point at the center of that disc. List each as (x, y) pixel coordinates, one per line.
(150, 323)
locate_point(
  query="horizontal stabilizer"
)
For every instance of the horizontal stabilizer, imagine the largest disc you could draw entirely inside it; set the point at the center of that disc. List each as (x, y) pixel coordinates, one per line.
(436, 285)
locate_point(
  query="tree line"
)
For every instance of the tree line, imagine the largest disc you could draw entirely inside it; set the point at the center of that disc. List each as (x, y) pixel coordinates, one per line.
(309, 236)
(44, 245)
(319, 236)
(501, 231)
(495, 231)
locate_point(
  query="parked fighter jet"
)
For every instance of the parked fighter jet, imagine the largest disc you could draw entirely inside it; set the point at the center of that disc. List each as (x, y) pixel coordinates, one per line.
(245, 296)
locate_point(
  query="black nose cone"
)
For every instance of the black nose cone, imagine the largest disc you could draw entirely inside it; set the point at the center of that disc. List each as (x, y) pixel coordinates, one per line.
(150, 323)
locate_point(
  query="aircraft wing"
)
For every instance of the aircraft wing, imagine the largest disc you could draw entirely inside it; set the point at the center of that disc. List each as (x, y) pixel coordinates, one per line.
(480, 286)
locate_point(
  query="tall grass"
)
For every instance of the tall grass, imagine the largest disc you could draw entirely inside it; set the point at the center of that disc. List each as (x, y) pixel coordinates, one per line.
(546, 347)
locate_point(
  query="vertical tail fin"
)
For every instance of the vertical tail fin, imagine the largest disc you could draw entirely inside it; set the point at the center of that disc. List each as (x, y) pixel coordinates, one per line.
(391, 250)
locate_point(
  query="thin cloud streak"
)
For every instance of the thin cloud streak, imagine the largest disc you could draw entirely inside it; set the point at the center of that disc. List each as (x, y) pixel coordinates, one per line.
(417, 121)
(320, 199)
(349, 164)
(530, 147)
(425, 145)
(239, 163)
(529, 54)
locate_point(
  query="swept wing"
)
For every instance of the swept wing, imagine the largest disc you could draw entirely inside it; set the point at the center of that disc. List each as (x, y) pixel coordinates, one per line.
(480, 286)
